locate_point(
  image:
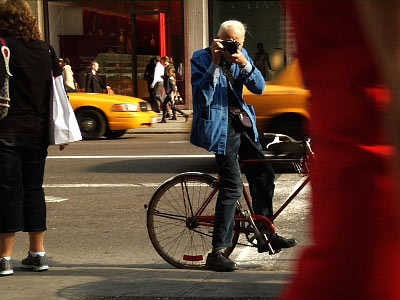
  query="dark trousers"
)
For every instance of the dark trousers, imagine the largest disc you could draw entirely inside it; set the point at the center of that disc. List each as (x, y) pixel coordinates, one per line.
(158, 95)
(22, 201)
(165, 113)
(259, 176)
(174, 110)
(167, 100)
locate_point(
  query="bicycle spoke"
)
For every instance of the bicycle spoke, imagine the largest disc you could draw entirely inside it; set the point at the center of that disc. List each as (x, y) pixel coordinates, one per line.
(172, 201)
(175, 234)
(169, 216)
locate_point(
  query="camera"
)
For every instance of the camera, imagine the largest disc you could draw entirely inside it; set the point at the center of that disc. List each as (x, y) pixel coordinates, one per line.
(231, 46)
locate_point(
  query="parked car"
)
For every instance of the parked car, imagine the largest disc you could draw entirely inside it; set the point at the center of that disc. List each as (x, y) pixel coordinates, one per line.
(284, 105)
(110, 115)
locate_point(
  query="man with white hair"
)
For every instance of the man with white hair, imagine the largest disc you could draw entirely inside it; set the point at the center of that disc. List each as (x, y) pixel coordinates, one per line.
(224, 124)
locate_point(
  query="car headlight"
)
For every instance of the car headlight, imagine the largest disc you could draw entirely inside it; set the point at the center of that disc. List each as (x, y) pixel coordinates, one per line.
(125, 107)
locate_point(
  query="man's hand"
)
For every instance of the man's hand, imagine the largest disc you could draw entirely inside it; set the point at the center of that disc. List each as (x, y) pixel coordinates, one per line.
(237, 58)
(217, 49)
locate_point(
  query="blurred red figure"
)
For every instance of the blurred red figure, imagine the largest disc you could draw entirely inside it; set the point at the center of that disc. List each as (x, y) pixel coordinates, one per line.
(355, 252)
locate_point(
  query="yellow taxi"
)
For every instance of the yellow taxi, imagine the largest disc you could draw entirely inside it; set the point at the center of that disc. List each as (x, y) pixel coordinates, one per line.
(284, 105)
(110, 115)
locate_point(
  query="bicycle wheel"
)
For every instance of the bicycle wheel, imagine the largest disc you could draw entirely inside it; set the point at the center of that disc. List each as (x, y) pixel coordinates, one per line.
(169, 215)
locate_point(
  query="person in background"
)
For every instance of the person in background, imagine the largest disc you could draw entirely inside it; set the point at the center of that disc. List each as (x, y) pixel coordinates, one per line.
(170, 90)
(261, 60)
(24, 135)
(225, 124)
(355, 252)
(158, 81)
(94, 83)
(67, 74)
(170, 62)
(149, 77)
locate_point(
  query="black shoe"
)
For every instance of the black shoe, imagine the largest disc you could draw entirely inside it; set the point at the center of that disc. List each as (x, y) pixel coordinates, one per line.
(278, 242)
(168, 115)
(219, 262)
(37, 263)
(173, 118)
(163, 121)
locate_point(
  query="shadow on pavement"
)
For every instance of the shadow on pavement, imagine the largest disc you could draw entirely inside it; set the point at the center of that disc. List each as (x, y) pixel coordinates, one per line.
(150, 281)
(206, 165)
(155, 283)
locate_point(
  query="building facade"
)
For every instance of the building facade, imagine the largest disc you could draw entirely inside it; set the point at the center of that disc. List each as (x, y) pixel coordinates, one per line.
(123, 35)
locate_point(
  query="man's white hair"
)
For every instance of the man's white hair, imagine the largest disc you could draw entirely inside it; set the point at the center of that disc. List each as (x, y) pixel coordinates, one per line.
(224, 27)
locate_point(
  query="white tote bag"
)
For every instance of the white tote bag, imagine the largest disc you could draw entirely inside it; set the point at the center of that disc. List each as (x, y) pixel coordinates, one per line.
(64, 127)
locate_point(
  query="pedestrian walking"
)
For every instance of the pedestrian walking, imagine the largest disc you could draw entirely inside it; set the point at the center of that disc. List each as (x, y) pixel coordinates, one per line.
(94, 83)
(149, 77)
(158, 82)
(68, 75)
(170, 91)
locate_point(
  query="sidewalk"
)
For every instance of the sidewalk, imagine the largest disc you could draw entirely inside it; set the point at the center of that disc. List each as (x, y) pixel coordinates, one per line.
(172, 126)
(149, 282)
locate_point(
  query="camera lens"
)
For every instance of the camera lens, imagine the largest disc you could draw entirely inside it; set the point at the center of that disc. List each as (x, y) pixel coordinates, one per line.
(231, 47)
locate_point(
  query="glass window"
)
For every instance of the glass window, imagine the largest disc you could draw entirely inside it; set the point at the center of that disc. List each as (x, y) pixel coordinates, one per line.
(121, 36)
(265, 24)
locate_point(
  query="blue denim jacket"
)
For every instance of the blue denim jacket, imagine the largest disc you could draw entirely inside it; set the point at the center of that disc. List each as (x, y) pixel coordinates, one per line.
(210, 99)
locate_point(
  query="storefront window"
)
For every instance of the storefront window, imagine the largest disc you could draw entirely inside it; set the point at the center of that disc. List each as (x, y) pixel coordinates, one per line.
(121, 35)
(265, 39)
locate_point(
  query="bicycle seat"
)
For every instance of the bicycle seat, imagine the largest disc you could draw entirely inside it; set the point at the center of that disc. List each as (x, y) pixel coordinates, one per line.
(283, 146)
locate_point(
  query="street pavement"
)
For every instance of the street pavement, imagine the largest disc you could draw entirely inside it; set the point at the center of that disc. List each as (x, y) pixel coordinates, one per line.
(145, 281)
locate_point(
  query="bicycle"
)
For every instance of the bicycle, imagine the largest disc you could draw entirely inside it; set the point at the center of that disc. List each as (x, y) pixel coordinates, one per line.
(180, 215)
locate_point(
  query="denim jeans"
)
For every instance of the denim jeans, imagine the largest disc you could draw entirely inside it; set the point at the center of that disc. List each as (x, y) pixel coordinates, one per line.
(259, 176)
(22, 200)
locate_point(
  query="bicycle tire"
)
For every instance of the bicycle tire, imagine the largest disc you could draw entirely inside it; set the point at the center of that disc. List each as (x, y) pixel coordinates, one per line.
(167, 220)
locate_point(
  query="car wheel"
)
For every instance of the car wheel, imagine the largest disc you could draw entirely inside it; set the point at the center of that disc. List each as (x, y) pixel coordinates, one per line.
(114, 134)
(92, 123)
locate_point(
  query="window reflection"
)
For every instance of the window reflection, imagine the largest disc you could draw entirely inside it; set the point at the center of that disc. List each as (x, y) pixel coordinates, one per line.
(83, 31)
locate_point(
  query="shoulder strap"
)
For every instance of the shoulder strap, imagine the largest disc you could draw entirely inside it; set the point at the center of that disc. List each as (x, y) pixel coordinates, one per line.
(5, 51)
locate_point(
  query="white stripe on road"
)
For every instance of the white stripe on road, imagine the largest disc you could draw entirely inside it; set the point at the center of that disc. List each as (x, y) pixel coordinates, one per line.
(131, 156)
(55, 199)
(100, 185)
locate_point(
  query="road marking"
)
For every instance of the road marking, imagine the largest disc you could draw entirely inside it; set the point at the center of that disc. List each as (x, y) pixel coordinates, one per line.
(100, 185)
(105, 185)
(55, 199)
(130, 156)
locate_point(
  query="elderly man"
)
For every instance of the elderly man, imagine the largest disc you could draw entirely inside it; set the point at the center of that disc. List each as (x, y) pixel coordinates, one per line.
(224, 124)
